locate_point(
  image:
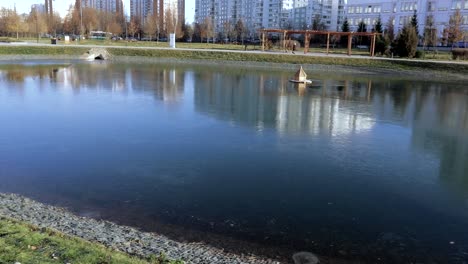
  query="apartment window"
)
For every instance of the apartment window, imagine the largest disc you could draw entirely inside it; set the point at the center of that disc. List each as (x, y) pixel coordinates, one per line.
(408, 6)
(465, 20)
(358, 10)
(377, 9)
(351, 10)
(431, 6)
(457, 4)
(404, 20)
(368, 9)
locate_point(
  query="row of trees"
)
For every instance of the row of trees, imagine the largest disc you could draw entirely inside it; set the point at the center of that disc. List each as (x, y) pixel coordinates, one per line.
(405, 43)
(17, 25)
(82, 21)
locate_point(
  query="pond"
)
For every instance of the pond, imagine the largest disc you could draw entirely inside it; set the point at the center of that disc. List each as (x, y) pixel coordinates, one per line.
(366, 167)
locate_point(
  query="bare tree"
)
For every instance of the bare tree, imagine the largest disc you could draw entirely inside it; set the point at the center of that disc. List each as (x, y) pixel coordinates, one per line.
(390, 29)
(240, 30)
(104, 20)
(151, 26)
(172, 23)
(10, 22)
(37, 23)
(430, 32)
(71, 22)
(115, 28)
(90, 19)
(207, 29)
(454, 28)
(133, 27)
(317, 23)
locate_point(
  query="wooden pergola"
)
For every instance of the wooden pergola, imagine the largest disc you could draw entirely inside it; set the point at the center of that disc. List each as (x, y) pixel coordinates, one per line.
(309, 33)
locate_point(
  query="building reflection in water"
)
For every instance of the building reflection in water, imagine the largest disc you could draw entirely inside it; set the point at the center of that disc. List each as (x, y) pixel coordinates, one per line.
(19, 73)
(436, 114)
(165, 84)
(270, 101)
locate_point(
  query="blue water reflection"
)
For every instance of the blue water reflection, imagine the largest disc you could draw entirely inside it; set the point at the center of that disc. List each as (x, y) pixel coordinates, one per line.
(357, 167)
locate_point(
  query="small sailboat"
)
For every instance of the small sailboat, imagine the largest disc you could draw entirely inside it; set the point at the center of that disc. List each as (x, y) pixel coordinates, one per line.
(300, 77)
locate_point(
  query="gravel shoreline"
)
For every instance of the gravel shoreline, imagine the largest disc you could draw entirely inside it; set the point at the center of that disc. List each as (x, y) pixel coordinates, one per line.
(122, 238)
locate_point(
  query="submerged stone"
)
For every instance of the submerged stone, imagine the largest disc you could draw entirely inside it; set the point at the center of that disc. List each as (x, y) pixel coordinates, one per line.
(305, 258)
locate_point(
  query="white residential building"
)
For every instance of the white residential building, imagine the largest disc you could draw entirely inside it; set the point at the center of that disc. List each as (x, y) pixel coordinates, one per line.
(113, 6)
(400, 12)
(140, 9)
(257, 14)
(226, 13)
(40, 8)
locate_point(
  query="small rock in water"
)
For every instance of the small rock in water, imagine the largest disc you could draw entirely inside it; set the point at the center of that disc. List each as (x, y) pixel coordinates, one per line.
(305, 258)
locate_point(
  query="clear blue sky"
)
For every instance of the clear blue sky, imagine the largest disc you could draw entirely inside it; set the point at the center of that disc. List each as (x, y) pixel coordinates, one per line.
(24, 6)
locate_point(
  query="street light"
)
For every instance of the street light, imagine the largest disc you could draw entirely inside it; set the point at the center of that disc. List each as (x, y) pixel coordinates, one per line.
(81, 18)
(37, 24)
(125, 20)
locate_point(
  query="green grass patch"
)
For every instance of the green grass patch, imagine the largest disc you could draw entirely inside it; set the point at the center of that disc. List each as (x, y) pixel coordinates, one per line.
(247, 56)
(285, 58)
(42, 50)
(20, 242)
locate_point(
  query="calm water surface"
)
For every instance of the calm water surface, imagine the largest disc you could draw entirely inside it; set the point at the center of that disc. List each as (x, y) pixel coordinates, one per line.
(365, 168)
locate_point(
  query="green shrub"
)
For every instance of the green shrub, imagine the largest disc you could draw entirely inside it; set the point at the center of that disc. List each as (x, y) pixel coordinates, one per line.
(461, 54)
(419, 54)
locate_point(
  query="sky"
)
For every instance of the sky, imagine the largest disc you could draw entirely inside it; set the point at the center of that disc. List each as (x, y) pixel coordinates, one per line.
(61, 6)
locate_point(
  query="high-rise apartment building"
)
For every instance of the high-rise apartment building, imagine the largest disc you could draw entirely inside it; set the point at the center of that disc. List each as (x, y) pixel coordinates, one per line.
(40, 8)
(49, 9)
(113, 6)
(142, 8)
(400, 12)
(226, 13)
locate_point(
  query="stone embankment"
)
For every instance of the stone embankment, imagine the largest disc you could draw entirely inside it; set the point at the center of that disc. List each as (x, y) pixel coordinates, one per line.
(96, 54)
(122, 238)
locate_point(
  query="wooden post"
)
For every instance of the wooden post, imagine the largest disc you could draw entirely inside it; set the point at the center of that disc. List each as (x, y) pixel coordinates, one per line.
(328, 42)
(350, 41)
(284, 41)
(369, 88)
(306, 42)
(346, 90)
(263, 40)
(374, 37)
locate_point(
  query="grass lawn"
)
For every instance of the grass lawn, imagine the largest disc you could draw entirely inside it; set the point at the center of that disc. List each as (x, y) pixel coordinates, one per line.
(428, 55)
(20, 242)
(200, 53)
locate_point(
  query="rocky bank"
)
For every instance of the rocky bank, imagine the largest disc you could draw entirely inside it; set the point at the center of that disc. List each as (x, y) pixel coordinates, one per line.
(122, 238)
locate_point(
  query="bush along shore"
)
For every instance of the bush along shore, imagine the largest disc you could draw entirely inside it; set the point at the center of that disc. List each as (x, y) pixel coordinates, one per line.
(240, 56)
(50, 234)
